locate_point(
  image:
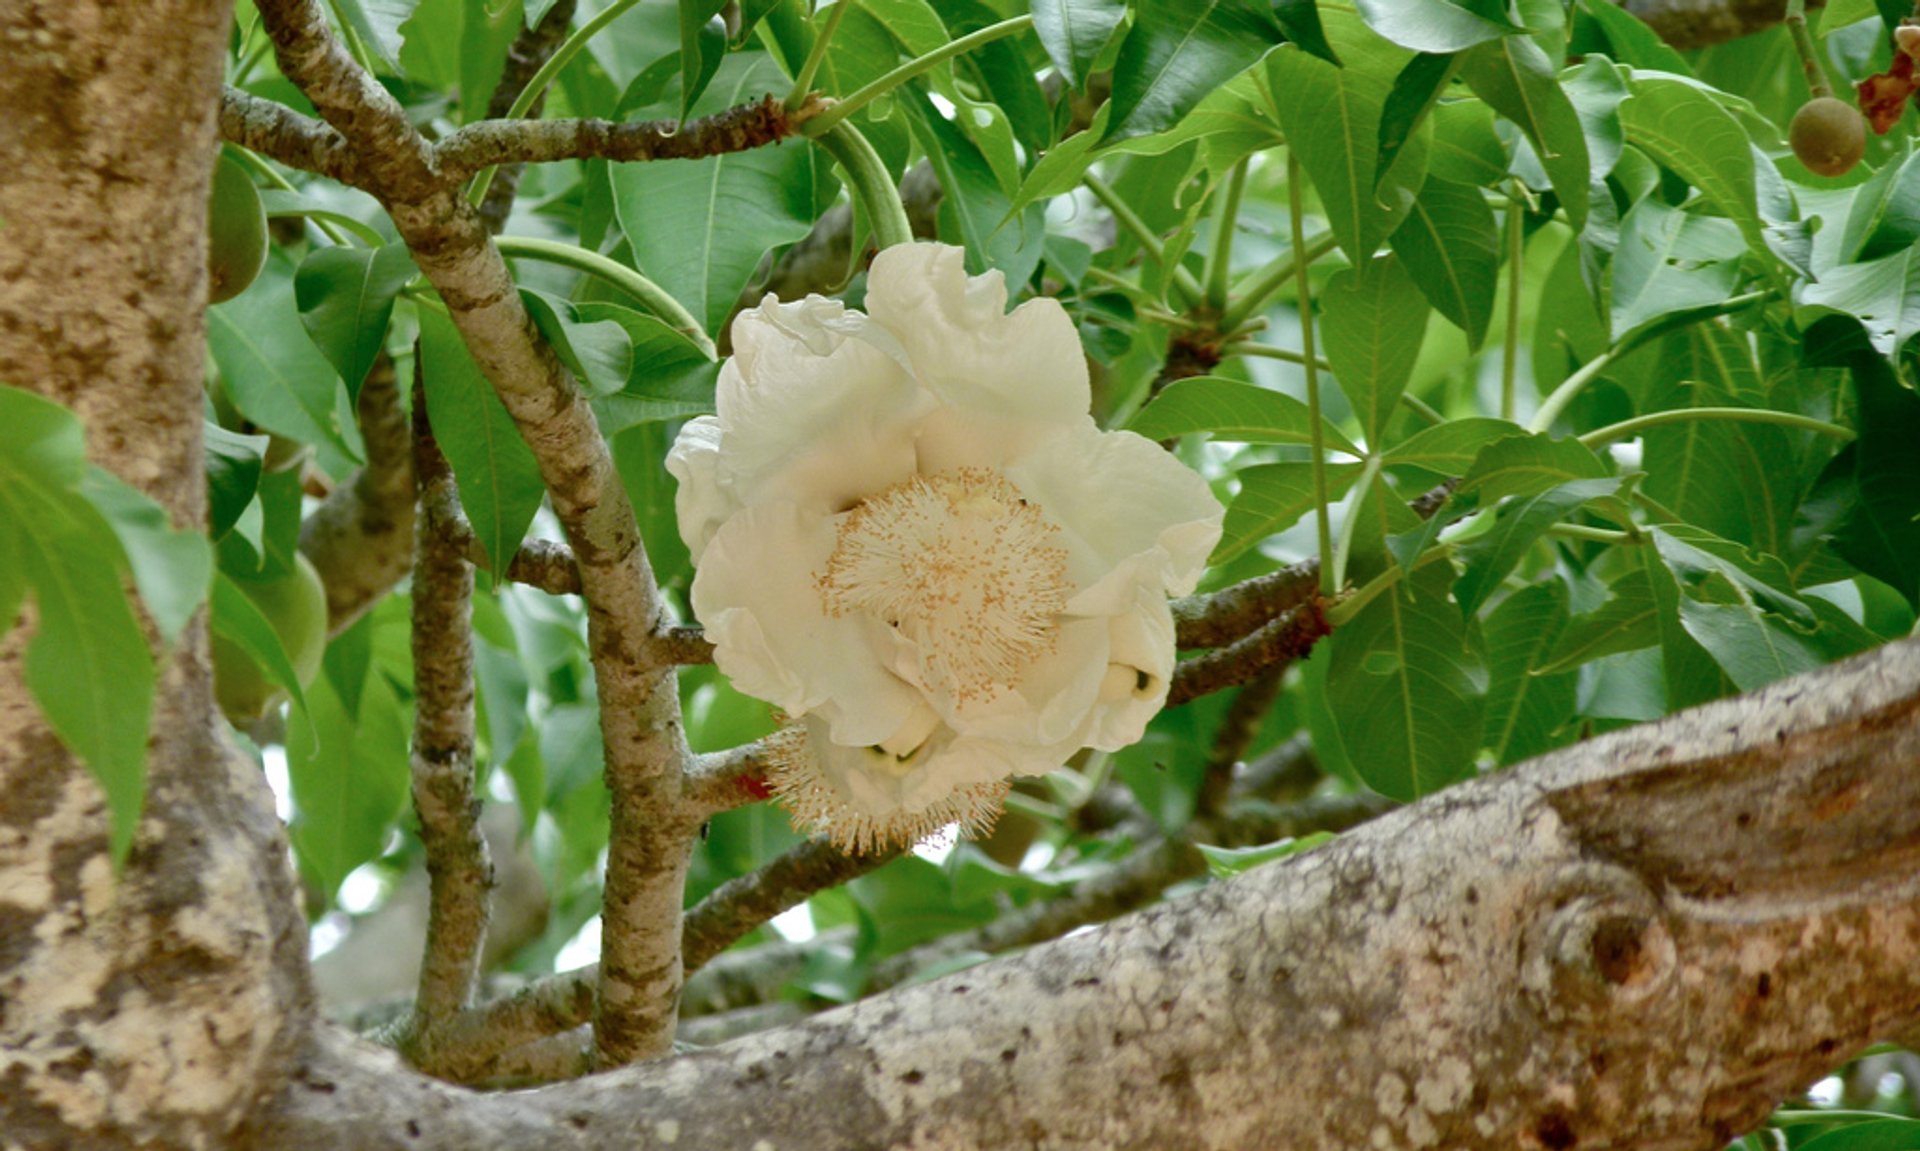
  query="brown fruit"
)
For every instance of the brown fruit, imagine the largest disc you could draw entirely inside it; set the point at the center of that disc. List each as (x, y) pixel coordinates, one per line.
(1828, 135)
(236, 232)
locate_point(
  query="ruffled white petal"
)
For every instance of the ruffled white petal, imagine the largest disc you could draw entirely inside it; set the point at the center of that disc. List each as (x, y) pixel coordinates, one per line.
(702, 501)
(1139, 671)
(755, 593)
(967, 349)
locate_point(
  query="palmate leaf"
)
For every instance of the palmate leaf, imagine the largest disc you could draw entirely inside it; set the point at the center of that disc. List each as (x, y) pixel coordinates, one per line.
(1517, 525)
(1272, 498)
(1074, 31)
(349, 774)
(1176, 53)
(1436, 25)
(1451, 247)
(272, 371)
(1669, 261)
(1514, 76)
(1231, 410)
(1525, 706)
(1373, 321)
(345, 296)
(1688, 131)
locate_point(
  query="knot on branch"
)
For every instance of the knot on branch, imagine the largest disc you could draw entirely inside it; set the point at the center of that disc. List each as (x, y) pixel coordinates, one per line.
(1600, 947)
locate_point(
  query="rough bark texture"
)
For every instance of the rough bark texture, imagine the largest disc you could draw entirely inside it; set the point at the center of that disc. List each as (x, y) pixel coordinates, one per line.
(1648, 938)
(153, 1010)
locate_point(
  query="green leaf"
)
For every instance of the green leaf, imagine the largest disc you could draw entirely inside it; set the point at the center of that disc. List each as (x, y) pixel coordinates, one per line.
(1890, 1134)
(233, 475)
(1466, 148)
(1515, 77)
(1524, 465)
(1688, 131)
(1300, 20)
(1670, 261)
(377, 24)
(1332, 118)
(1374, 321)
(1628, 621)
(1697, 558)
(1596, 90)
(345, 296)
(87, 665)
(236, 618)
(1272, 498)
(1074, 31)
(1632, 41)
(975, 209)
(1414, 92)
(349, 774)
(273, 372)
(1451, 246)
(171, 567)
(1434, 25)
(1405, 690)
(1449, 449)
(1227, 862)
(1880, 534)
(703, 44)
(1525, 707)
(1883, 295)
(598, 352)
(1176, 53)
(1230, 410)
(670, 377)
(1751, 647)
(699, 228)
(499, 480)
(1517, 525)
(1885, 214)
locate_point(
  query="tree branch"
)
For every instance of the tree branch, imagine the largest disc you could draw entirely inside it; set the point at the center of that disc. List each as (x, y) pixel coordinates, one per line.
(531, 48)
(744, 903)
(278, 132)
(1689, 24)
(1535, 957)
(640, 724)
(495, 142)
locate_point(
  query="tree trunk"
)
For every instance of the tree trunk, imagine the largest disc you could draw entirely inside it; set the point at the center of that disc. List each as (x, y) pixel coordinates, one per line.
(156, 1008)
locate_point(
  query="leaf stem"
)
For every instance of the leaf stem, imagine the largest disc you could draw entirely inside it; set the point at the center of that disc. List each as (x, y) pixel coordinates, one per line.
(877, 88)
(1268, 351)
(1342, 613)
(1343, 548)
(1220, 255)
(543, 76)
(1626, 429)
(1516, 263)
(803, 80)
(1572, 386)
(1261, 288)
(619, 275)
(1124, 215)
(1796, 22)
(869, 181)
(1315, 427)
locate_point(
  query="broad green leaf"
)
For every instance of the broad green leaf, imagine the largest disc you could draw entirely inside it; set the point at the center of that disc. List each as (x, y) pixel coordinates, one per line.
(171, 567)
(1227, 862)
(1596, 90)
(1406, 691)
(1300, 20)
(1451, 247)
(1883, 295)
(699, 228)
(1515, 77)
(1525, 707)
(639, 453)
(1412, 97)
(1526, 464)
(975, 208)
(597, 352)
(1885, 214)
(1687, 130)
(1177, 52)
(1451, 448)
(1517, 524)
(1074, 31)
(499, 480)
(1889, 1134)
(350, 776)
(1466, 148)
(910, 901)
(703, 44)
(345, 296)
(1696, 558)
(1669, 261)
(914, 25)
(377, 25)
(670, 377)
(1272, 498)
(87, 665)
(1373, 320)
(1434, 25)
(273, 373)
(235, 617)
(233, 475)
(1750, 646)
(1628, 621)
(1004, 73)
(1332, 118)
(1689, 671)
(1230, 410)
(1632, 41)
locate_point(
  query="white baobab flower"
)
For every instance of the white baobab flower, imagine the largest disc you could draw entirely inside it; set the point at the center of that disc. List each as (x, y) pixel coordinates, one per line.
(911, 537)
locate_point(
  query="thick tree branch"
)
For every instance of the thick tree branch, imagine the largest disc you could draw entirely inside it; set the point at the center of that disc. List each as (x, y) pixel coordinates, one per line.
(444, 798)
(1689, 24)
(1542, 957)
(494, 142)
(640, 722)
(280, 133)
(360, 538)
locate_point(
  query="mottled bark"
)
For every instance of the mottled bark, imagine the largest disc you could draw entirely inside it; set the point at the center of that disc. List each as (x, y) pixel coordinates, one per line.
(154, 1008)
(1648, 938)
(1703, 23)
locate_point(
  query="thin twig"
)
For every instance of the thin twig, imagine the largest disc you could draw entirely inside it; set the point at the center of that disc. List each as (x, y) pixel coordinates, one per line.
(744, 903)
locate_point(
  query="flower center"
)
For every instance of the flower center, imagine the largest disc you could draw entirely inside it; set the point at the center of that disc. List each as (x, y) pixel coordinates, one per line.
(962, 566)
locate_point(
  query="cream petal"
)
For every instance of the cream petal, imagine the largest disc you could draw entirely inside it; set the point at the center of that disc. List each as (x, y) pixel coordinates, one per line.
(1140, 669)
(755, 594)
(878, 783)
(811, 410)
(1051, 702)
(700, 501)
(1116, 495)
(1026, 366)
